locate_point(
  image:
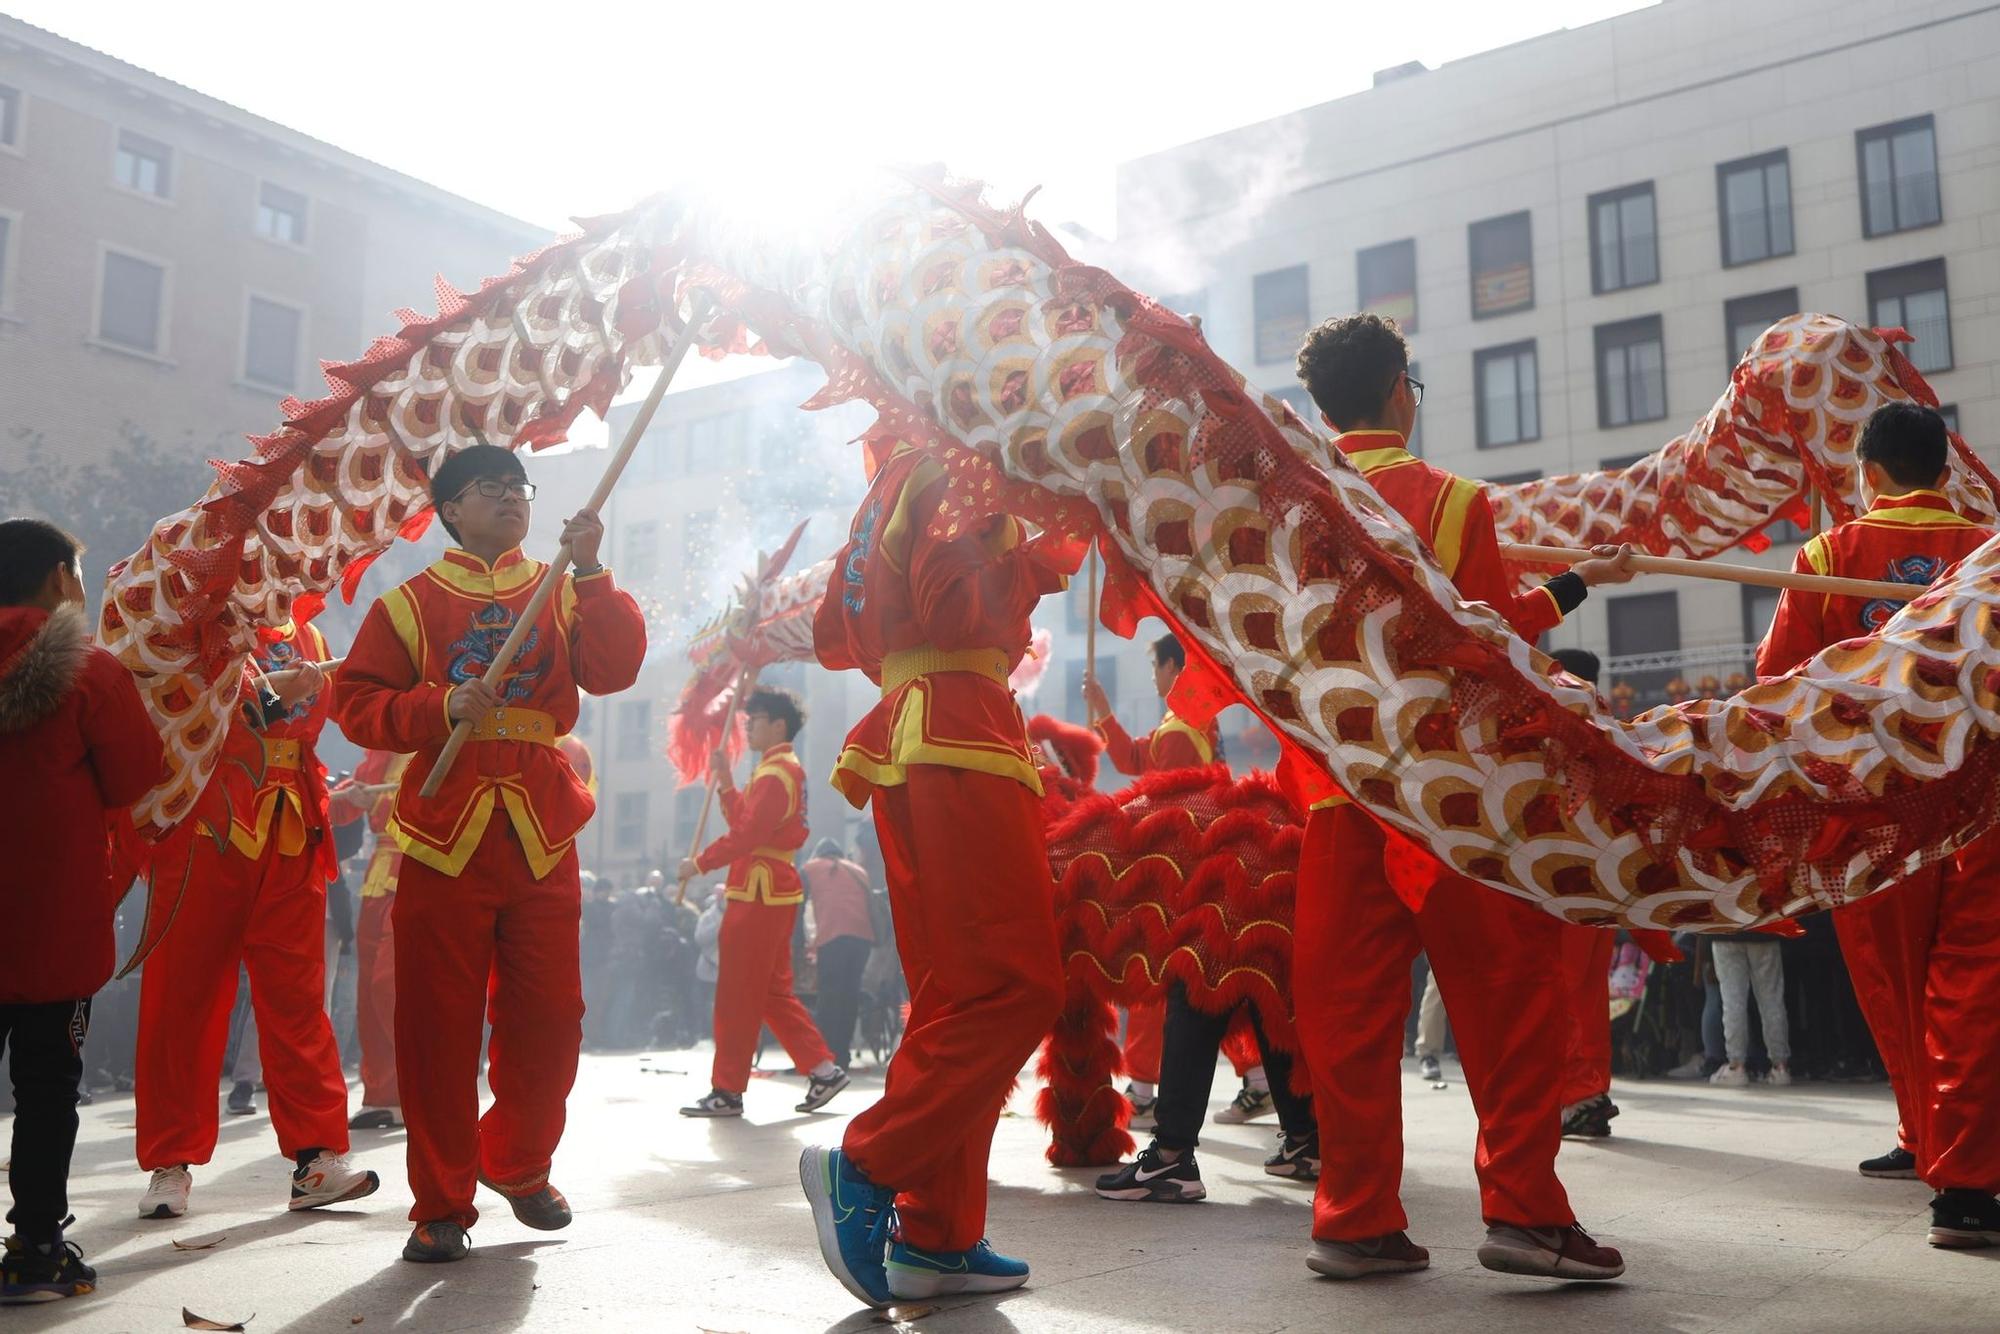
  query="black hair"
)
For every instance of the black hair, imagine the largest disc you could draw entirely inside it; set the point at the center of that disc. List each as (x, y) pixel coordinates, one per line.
(778, 705)
(1350, 364)
(827, 847)
(1578, 662)
(1168, 649)
(467, 466)
(30, 551)
(1908, 441)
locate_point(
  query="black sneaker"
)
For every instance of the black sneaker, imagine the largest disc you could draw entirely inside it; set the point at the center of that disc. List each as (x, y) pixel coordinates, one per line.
(1247, 1106)
(243, 1098)
(1899, 1164)
(1428, 1068)
(376, 1118)
(1295, 1158)
(819, 1092)
(44, 1272)
(437, 1243)
(1152, 1178)
(1591, 1119)
(1964, 1219)
(717, 1103)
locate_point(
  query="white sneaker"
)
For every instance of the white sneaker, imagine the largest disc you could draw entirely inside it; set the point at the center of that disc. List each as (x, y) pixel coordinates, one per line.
(1781, 1074)
(1688, 1069)
(1249, 1105)
(167, 1196)
(1732, 1076)
(330, 1179)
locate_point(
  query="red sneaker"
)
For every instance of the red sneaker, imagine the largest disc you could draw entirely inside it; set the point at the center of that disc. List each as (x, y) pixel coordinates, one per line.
(1392, 1253)
(1548, 1252)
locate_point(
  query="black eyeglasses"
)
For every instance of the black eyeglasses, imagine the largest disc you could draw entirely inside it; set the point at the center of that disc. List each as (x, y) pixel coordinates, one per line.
(1416, 388)
(499, 488)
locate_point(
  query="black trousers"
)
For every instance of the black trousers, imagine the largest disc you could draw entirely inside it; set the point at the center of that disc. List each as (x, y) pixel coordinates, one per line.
(1188, 1052)
(841, 962)
(45, 1047)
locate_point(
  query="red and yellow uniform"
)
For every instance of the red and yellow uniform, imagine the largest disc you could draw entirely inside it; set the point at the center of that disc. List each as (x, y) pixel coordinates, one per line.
(375, 936)
(1925, 954)
(256, 897)
(1586, 986)
(938, 624)
(488, 889)
(1494, 955)
(753, 987)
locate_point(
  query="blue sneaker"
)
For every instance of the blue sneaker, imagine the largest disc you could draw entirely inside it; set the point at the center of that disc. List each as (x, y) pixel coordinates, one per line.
(853, 1217)
(914, 1272)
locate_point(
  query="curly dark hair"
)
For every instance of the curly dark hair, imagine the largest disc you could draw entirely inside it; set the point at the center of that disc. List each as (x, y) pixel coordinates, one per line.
(779, 706)
(1909, 443)
(1349, 365)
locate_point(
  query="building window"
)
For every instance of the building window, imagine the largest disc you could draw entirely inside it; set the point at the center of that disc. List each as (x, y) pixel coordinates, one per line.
(1745, 318)
(1913, 297)
(281, 214)
(635, 729)
(1513, 478)
(1624, 239)
(1509, 395)
(1754, 195)
(628, 822)
(1644, 624)
(132, 302)
(1620, 462)
(10, 117)
(1631, 372)
(1280, 305)
(1296, 397)
(1759, 606)
(1503, 265)
(1899, 177)
(144, 165)
(271, 343)
(639, 552)
(1949, 411)
(1415, 444)
(6, 258)
(1386, 278)
(687, 813)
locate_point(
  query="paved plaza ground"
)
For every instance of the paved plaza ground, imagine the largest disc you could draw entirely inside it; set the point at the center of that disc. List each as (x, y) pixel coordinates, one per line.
(1737, 1209)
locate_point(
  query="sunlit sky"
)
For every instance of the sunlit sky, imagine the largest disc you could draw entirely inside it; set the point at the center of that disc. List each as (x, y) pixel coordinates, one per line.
(571, 107)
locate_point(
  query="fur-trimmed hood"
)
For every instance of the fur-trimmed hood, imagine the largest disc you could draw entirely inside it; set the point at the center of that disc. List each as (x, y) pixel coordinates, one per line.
(41, 656)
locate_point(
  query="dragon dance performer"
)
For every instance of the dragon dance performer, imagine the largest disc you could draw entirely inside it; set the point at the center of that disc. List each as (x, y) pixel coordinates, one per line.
(261, 856)
(753, 987)
(1166, 1170)
(375, 939)
(1494, 955)
(939, 624)
(489, 886)
(1925, 956)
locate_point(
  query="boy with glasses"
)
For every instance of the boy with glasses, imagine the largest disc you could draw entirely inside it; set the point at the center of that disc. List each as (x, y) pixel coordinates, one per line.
(489, 887)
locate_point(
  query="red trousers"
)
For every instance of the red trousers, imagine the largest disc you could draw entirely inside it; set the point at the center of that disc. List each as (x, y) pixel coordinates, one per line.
(268, 914)
(1586, 984)
(1925, 958)
(490, 943)
(753, 987)
(1145, 1034)
(375, 1000)
(973, 903)
(1494, 957)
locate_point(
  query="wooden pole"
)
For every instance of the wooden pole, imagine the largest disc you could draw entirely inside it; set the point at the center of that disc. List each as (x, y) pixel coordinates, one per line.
(1738, 574)
(745, 683)
(504, 659)
(1090, 621)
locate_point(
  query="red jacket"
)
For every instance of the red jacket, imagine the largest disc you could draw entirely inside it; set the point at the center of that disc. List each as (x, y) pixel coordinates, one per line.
(443, 627)
(1172, 745)
(1906, 539)
(76, 747)
(938, 623)
(767, 827)
(269, 781)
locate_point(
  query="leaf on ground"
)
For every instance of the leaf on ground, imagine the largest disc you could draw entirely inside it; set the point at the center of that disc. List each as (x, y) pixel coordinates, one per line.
(355, 1320)
(180, 1245)
(193, 1321)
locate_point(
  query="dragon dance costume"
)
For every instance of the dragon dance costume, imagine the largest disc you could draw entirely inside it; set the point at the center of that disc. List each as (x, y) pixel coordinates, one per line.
(767, 827)
(488, 898)
(939, 622)
(1925, 959)
(261, 856)
(375, 936)
(1494, 955)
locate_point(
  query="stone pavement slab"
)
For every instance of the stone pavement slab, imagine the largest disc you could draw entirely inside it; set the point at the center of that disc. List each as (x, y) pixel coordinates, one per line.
(1737, 1209)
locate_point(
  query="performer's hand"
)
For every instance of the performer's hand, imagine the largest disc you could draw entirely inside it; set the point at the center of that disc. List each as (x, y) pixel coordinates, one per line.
(689, 869)
(719, 769)
(471, 700)
(1608, 565)
(347, 792)
(294, 684)
(1094, 697)
(583, 534)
